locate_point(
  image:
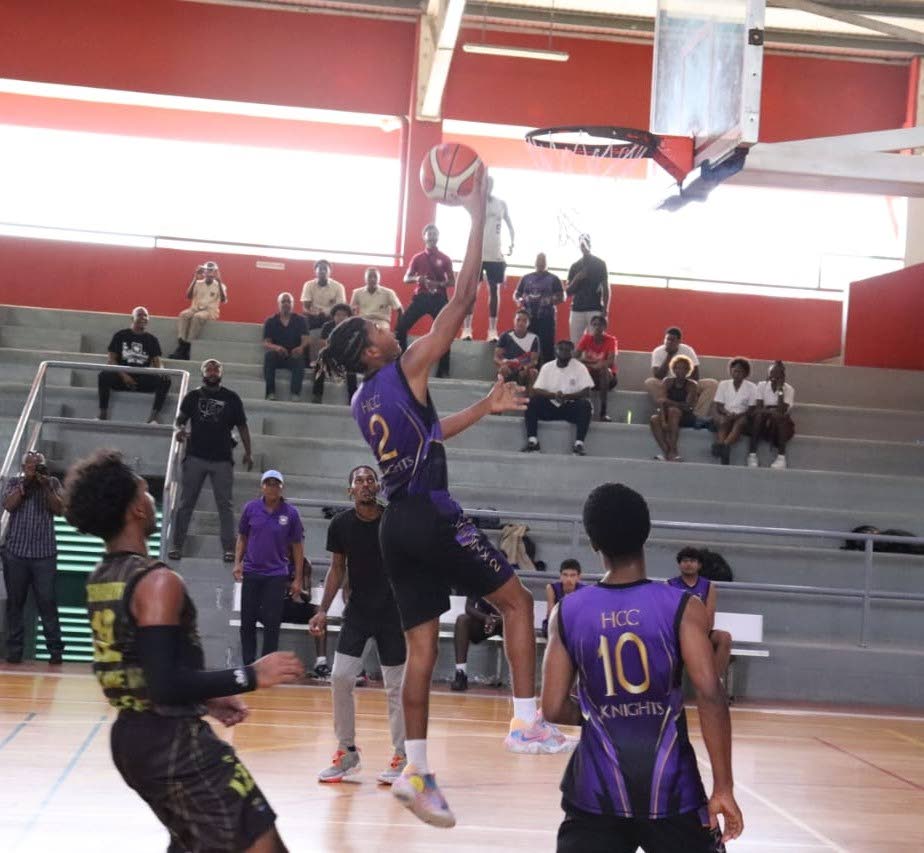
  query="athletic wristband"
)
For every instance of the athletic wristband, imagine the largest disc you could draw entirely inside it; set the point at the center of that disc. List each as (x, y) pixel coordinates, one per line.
(170, 682)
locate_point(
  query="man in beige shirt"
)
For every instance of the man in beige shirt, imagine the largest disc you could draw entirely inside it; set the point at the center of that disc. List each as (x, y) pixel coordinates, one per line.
(375, 302)
(206, 292)
(318, 296)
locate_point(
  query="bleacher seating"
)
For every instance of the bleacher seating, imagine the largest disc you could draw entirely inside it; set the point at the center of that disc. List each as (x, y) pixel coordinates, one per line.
(858, 458)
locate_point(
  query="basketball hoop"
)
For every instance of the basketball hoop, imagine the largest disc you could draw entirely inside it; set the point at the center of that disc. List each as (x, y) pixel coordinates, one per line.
(674, 154)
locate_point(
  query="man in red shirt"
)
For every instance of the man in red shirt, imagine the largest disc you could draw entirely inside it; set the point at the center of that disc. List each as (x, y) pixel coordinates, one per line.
(431, 271)
(598, 351)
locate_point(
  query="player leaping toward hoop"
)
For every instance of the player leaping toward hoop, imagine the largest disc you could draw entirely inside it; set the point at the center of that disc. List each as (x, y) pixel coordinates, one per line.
(427, 543)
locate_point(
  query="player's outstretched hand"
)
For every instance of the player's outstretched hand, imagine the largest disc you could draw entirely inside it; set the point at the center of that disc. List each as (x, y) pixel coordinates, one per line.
(507, 397)
(722, 803)
(278, 668)
(228, 710)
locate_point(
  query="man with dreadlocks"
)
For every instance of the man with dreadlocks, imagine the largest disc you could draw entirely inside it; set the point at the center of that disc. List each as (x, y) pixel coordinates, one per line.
(428, 545)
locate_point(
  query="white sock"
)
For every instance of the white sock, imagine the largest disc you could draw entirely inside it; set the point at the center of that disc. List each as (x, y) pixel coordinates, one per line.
(462, 667)
(319, 660)
(526, 710)
(492, 325)
(416, 751)
(532, 440)
(579, 443)
(467, 326)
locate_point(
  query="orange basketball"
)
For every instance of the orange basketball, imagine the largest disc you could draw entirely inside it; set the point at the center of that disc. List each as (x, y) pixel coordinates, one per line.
(449, 172)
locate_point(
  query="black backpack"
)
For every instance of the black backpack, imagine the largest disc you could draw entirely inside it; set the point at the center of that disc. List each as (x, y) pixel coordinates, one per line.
(715, 566)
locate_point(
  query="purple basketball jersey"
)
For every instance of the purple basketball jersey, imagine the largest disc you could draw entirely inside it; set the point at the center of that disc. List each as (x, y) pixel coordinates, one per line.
(700, 589)
(405, 437)
(634, 758)
(558, 590)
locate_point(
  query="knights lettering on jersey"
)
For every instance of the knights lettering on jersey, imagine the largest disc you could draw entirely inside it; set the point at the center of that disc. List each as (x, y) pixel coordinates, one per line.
(700, 589)
(634, 758)
(405, 437)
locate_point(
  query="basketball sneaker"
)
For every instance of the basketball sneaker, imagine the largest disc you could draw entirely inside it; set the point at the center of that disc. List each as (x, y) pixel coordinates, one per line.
(420, 793)
(460, 682)
(539, 738)
(394, 769)
(344, 763)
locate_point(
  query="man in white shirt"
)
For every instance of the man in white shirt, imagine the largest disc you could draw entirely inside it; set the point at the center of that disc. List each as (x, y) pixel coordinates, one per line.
(319, 295)
(735, 399)
(206, 292)
(560, 393)
(493, 266)
(660, 367)
(375, 302)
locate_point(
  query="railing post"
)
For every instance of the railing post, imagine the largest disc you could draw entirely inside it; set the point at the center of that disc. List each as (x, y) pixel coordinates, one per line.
(867, 588)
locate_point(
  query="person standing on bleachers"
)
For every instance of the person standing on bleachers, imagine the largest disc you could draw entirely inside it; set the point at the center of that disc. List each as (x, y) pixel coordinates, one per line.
(134, 347)
(30, 555)
(660, 370)
(285, 341)
(270, 541)
(206, 292)
(538, 293)
(212, 412)
(588, 286)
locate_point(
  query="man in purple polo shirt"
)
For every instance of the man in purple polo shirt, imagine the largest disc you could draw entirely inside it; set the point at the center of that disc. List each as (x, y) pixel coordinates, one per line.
(270, 538)
(431, 271)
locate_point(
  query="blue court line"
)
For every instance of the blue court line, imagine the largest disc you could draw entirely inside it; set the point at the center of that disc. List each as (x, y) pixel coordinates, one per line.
(60, 781)
(17, 729)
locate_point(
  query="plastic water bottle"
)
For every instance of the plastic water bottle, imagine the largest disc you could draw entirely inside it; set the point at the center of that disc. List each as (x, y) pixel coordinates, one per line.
(629, 416)
(219, 593)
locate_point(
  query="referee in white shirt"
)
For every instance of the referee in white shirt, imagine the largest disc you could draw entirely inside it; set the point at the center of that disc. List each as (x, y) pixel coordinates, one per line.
(560, 393)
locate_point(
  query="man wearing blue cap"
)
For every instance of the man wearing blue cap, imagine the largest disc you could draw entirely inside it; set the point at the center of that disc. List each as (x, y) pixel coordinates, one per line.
(270, 538)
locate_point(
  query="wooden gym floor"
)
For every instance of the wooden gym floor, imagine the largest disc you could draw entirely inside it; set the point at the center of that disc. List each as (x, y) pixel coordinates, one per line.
(807, 779)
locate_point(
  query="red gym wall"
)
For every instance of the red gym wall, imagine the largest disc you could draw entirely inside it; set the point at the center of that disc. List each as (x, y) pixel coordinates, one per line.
(368, 65)
(883, 327)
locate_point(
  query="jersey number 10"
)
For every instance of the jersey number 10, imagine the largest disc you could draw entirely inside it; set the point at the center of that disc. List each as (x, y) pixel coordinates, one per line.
(624, 683)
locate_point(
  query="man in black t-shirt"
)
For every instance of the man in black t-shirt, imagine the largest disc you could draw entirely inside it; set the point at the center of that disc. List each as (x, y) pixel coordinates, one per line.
(134, 347)
(285, 339)
(589, 289)
(480, 622)
(338, 313)
(212, 412)
(517, 352)
(353, 540)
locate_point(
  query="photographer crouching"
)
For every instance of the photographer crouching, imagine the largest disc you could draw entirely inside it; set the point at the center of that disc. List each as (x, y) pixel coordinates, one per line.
(30, 554)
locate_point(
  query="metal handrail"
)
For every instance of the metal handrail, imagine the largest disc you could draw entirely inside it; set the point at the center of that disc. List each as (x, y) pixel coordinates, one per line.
(36, 395)
(866, 595)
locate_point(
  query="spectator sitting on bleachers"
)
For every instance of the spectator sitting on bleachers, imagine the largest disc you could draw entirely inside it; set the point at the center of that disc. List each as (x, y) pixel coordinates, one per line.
(772, 420)
(517, 352)
(479, 622)
(734, 404)
(319, 295)
(660, 368)
(689, 580)
(212, 412)
(675, 408)
(539, 292)
(560, 393)
(134, 347)
(285, 338)
(569, 580)
(299, 610)
(597, 351)
(205, 293)
(338, 313)
(375, 302)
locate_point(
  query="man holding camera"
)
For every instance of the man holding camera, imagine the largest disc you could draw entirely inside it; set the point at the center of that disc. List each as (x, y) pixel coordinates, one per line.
(205, 293)
(30, 554)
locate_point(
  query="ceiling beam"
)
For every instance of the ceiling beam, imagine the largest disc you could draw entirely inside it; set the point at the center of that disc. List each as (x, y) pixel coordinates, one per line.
(857, 20)
(439, 32)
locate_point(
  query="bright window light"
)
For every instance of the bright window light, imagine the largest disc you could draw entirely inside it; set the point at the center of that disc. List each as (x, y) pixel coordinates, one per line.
(204, 191)
(755, 236)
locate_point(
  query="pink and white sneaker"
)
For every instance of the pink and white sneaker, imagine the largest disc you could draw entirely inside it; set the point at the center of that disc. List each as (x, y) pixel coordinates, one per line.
(420, 793)
(539, 738)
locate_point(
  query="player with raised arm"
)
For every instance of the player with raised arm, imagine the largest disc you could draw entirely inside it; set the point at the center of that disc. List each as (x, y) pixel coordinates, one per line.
(633, 780)
(149, 661)
(427, 543)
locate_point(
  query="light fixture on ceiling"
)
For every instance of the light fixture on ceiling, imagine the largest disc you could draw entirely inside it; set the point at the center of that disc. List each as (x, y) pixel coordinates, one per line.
(547, 54)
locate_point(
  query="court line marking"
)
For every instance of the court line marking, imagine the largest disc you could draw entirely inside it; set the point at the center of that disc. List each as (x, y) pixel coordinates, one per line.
(827, 843)
(875, 766)
(62, 777)
(800, 712)
(17, 729)
(903, 736)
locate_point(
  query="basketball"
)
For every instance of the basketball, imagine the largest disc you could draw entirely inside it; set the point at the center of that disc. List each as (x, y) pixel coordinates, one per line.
(449, 173)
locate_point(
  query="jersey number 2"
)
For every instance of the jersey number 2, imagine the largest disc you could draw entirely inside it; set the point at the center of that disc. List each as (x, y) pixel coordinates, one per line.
(383, 454)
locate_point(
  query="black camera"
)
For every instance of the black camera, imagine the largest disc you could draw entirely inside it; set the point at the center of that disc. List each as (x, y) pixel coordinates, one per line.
(41, 470)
